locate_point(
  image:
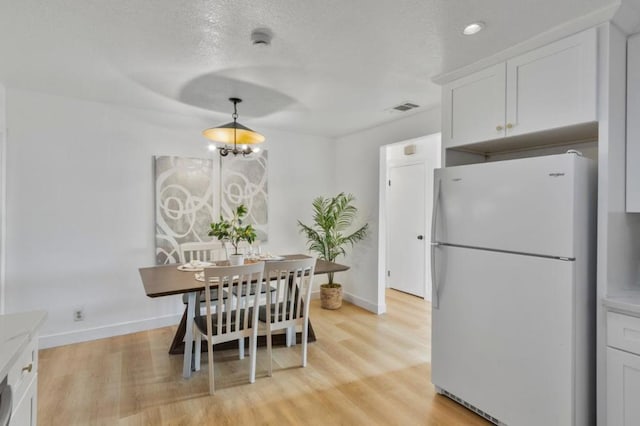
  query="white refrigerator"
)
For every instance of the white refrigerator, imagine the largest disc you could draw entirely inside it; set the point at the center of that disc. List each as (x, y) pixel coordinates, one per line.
(513, 320)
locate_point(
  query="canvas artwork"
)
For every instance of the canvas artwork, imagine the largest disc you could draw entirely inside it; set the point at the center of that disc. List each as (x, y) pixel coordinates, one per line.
(185, 191)
(244, 181)
(191, 193)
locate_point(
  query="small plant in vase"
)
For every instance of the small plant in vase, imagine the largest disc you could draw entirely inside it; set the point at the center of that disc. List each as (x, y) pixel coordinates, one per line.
(233, 232)
(329, 235)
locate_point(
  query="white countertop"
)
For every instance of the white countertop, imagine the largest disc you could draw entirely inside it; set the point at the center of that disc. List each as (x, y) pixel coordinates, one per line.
(627, 302)
(16, 330)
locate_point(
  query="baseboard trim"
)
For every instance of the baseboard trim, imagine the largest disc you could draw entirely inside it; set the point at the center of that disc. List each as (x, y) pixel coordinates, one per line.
(118, 329)
(358, 301)
(111, 330)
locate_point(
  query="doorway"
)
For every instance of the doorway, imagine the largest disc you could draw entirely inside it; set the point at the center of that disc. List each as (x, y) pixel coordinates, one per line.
(406, 258)
(406, 200)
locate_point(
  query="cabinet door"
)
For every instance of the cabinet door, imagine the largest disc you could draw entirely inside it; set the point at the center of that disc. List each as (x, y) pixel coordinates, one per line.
(473, 107)
(633, 124)
(24, 413)
(623, 388)
(553, 86)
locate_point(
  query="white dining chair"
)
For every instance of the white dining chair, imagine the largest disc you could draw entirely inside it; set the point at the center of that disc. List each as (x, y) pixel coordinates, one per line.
(288, 305)
(208, 251)
(230, 324)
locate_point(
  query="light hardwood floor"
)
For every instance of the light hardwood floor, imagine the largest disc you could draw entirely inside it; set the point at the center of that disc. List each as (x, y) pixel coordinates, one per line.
(364, 369)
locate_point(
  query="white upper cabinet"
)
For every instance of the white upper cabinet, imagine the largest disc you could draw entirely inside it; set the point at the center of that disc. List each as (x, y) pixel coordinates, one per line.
(554, 86)
(633, 124)
(550, 87)
(474, 106)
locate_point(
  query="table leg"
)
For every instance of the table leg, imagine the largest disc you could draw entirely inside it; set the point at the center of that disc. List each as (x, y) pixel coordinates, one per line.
(177, 344)
(188, 336)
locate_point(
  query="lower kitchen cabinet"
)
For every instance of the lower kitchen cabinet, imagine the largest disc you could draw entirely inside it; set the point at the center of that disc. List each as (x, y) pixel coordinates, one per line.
(623, 388)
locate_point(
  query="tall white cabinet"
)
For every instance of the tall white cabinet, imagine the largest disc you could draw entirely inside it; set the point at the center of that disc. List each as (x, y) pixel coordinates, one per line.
(620, 284)
(633, 124)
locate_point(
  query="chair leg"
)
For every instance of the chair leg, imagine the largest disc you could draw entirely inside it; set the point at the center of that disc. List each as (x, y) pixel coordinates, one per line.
(240, 301)
(198, 337)
(269, 350)
(241, 347)
(305, 337)
(211, 378)
(252, 355)
(288, 336)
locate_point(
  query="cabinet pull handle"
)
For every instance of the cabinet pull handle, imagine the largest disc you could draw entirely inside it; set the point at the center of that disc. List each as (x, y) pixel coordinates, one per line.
(499, 128)
(28, 368)
(509, 126)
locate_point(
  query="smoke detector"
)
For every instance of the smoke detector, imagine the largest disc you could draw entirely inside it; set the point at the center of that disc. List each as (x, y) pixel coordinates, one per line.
(261, 37)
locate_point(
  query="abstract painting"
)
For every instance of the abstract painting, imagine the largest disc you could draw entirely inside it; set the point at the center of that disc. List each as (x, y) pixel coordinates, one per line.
(244, 181)
(191, 193)
(185, 193)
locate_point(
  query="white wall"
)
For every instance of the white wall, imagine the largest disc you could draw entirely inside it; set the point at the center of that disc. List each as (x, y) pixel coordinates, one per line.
(80, 207)
(357, 172)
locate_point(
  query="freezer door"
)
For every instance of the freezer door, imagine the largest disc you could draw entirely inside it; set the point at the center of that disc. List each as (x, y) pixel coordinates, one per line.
(524, 205)
(502, 336)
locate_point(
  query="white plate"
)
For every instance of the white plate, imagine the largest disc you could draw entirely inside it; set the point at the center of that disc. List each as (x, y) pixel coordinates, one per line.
(200, 277)
(188, 267)
(270, 257)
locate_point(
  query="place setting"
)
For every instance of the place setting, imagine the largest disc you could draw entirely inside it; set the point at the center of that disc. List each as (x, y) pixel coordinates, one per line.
(195, 266)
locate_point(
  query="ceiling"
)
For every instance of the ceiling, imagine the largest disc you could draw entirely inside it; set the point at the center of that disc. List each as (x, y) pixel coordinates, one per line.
(334, 66)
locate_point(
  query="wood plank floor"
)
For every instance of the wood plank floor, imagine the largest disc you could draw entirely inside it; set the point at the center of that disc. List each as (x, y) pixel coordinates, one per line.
(364, 369)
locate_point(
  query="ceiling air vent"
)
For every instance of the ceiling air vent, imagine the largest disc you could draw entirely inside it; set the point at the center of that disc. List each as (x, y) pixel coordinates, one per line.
(405, 107)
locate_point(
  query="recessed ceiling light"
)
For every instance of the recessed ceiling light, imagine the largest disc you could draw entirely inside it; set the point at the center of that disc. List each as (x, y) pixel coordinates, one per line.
(473, 28)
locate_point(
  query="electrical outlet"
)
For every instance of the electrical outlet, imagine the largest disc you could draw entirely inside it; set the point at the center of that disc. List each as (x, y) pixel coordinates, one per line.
(78, 315)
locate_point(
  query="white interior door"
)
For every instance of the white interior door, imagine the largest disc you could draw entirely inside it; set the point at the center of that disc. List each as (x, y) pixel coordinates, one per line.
(406, 229)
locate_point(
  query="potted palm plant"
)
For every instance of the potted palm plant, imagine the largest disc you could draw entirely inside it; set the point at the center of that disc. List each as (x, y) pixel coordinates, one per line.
(233, 232)
(329, 235)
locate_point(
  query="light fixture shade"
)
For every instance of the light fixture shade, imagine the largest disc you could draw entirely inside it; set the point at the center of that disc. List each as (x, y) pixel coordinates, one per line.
(233, 132)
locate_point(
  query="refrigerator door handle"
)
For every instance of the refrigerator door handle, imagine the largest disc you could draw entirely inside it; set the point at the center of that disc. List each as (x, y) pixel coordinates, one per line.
(435, 302)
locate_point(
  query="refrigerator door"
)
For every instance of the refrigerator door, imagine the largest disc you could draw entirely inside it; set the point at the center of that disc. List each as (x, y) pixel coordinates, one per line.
(502, 338)
(524, 205)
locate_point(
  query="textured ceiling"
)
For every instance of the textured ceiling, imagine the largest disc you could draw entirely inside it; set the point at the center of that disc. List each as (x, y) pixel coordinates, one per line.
(334, 66)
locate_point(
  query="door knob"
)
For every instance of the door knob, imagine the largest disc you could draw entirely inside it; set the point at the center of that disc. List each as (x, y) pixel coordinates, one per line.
(421, 237)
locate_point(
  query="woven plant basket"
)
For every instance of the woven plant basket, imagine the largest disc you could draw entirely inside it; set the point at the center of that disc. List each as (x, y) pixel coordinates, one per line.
(330, 297)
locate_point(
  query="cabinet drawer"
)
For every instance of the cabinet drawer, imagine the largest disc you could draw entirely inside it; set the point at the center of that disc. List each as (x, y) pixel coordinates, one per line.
(23, 371)
(623, 332)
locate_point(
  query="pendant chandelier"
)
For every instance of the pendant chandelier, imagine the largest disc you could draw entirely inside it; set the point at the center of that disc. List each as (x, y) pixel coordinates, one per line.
(234, 133)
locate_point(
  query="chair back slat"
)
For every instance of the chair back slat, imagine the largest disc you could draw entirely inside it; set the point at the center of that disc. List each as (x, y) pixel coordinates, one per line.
(232, 323)
(292, 281)
(203, 251)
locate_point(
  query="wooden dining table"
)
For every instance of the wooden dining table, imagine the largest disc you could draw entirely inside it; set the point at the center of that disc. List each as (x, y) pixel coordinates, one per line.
(166, 280)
